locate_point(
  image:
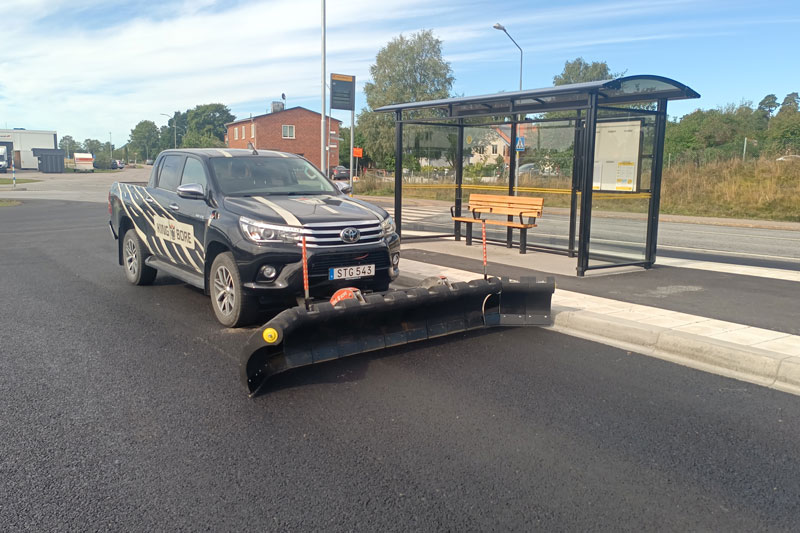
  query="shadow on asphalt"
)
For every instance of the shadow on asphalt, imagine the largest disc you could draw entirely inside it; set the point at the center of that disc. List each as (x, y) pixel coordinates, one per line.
(353, 368)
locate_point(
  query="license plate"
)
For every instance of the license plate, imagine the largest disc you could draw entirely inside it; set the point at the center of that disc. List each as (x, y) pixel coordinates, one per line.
(351, 272)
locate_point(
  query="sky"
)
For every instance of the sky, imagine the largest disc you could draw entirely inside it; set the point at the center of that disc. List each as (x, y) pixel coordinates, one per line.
(95, 68)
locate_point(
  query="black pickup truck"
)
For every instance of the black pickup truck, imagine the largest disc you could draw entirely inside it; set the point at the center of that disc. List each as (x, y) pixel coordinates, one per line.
(231, 222)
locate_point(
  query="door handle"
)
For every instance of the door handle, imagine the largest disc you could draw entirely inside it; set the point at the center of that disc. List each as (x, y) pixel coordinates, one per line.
(174, 206)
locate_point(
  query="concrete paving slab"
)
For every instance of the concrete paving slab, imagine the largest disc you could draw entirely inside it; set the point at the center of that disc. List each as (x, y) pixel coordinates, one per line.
(749, 336)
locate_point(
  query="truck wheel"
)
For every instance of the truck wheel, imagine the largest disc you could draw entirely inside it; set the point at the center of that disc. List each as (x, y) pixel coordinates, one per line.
(233, 307)
(133, 258)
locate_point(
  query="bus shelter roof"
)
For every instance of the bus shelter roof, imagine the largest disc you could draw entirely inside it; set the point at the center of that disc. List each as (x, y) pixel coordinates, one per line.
(625, 90)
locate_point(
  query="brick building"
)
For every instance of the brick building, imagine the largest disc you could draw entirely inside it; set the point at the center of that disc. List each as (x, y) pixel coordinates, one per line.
(294, 130)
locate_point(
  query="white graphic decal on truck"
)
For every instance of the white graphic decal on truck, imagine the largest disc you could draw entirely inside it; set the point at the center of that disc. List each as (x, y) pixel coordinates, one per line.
(173, 231)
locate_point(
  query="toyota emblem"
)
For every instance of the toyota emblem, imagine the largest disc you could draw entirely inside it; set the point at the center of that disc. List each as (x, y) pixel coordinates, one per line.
(350, 235)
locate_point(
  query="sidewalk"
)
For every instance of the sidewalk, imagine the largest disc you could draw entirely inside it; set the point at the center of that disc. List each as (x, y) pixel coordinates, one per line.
(764, 357)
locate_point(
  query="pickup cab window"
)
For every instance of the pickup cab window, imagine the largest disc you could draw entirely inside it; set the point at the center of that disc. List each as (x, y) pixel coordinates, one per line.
(170, 174)
(193, 172)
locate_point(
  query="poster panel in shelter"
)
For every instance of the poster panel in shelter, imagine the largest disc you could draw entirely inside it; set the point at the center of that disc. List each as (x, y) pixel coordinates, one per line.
(617, 156)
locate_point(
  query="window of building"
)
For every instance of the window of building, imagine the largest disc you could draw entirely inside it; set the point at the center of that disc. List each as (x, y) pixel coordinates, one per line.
(242, 131)
(252, 130)
(479, 150)
(288, 132)
(494, 149)
(235, 133)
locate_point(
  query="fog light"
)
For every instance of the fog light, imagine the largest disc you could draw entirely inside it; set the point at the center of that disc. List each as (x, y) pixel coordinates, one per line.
(268, 272)
(395, 259)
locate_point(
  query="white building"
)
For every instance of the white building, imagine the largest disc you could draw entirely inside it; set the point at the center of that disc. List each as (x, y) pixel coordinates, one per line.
(22, 142)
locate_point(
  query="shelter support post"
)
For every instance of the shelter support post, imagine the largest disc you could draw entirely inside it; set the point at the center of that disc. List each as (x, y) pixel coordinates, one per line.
(398, 172)
(459, 162)
(655, 186)
(576, 173)
(587, 179)
(512, 175)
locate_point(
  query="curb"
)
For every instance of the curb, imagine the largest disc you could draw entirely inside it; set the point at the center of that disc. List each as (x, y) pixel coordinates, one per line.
(754, 365)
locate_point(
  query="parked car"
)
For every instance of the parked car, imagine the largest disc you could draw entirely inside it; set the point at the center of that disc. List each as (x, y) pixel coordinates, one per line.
(789, 158)
(115, 165)
(148, 162)
(340, 173)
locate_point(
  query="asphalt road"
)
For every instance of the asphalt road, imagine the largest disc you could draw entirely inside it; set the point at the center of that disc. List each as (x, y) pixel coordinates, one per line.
(122, 411)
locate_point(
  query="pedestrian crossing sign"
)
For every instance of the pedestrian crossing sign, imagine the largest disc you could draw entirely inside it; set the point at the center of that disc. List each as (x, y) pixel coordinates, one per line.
(520, 144)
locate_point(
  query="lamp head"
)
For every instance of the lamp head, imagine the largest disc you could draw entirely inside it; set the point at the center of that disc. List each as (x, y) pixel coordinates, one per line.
(499, 26)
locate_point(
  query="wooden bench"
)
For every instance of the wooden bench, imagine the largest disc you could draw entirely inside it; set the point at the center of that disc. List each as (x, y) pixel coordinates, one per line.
(520, 207)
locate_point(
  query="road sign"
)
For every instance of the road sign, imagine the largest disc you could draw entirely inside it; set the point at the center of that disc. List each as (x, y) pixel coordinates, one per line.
(358, 152)
(520, 147)
(343, 92)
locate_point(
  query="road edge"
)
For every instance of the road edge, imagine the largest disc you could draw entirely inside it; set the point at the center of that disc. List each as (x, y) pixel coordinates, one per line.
(744, 363)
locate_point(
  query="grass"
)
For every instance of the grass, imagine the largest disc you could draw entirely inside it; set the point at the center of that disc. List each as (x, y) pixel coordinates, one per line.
(9, 203)
(761, 189)
(9, 181)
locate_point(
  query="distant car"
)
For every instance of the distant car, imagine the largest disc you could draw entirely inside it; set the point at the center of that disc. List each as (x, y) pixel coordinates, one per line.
(115, 165)
(340, 173)
(789, 158)
(528, 168)
(148, 162)
(120, 163)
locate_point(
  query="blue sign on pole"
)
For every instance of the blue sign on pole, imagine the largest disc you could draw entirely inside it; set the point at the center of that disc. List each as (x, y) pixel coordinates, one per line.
(520, 147)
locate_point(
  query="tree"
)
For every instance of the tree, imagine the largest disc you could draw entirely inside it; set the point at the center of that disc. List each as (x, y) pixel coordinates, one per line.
(194, 139)
(92, 146)
(769, 104)
(208, 120)
(790, 104)
(579, 71)
(68, 144)
(144, 139)
(344, 147)
(405, 70)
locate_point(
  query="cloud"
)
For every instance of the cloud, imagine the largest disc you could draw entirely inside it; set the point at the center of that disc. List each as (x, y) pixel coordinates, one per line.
(89, 66)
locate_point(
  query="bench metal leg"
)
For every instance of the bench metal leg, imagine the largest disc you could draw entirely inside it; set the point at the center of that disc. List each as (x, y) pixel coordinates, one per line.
(469, 233)
(523, 240)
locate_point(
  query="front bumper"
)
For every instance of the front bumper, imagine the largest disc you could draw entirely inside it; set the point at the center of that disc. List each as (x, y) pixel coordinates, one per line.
(287, 260)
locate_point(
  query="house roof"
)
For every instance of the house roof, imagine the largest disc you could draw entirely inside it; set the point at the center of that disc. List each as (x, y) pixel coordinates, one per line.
(248, 119)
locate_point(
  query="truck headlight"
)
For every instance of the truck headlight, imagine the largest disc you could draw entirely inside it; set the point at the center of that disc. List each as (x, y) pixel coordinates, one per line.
(388, 227)
(261, 232)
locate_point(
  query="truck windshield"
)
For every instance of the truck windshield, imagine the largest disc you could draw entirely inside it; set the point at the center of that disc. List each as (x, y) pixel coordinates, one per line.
(259, 175)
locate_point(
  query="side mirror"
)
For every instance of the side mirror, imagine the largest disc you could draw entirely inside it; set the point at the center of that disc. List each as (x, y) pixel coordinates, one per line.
(192, 191)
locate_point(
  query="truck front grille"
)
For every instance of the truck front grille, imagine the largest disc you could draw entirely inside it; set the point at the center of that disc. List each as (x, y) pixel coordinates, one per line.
(328, 234)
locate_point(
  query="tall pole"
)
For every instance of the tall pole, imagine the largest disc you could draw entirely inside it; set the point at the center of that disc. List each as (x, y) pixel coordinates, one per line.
(352, 136)
(502, 28)
(175, 131)
(110, 155)
(323, 134)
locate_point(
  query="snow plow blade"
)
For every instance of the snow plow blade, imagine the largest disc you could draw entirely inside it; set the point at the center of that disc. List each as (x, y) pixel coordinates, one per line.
(299, 336)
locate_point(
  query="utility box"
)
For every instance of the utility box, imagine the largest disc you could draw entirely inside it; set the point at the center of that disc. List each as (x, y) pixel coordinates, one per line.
(51, 161)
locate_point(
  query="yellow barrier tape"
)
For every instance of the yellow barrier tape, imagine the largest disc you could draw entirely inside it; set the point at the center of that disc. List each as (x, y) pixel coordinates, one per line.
(541, 190)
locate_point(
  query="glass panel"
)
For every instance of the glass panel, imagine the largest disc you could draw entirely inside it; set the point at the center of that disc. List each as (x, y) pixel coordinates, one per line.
(622, 174)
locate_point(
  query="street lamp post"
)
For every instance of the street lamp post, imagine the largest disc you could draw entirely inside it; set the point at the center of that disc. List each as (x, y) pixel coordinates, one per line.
(110, 155)
(502, 28)
(174, 128)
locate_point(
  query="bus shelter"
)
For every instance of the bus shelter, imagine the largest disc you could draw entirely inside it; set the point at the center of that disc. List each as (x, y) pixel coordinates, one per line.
(593, 151)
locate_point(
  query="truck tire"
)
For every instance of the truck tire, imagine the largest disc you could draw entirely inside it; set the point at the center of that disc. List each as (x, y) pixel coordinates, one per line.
(133, 256)
(232, 306)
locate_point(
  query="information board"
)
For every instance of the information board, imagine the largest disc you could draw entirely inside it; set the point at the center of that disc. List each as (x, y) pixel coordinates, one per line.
(343, 92)
(616, 156)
